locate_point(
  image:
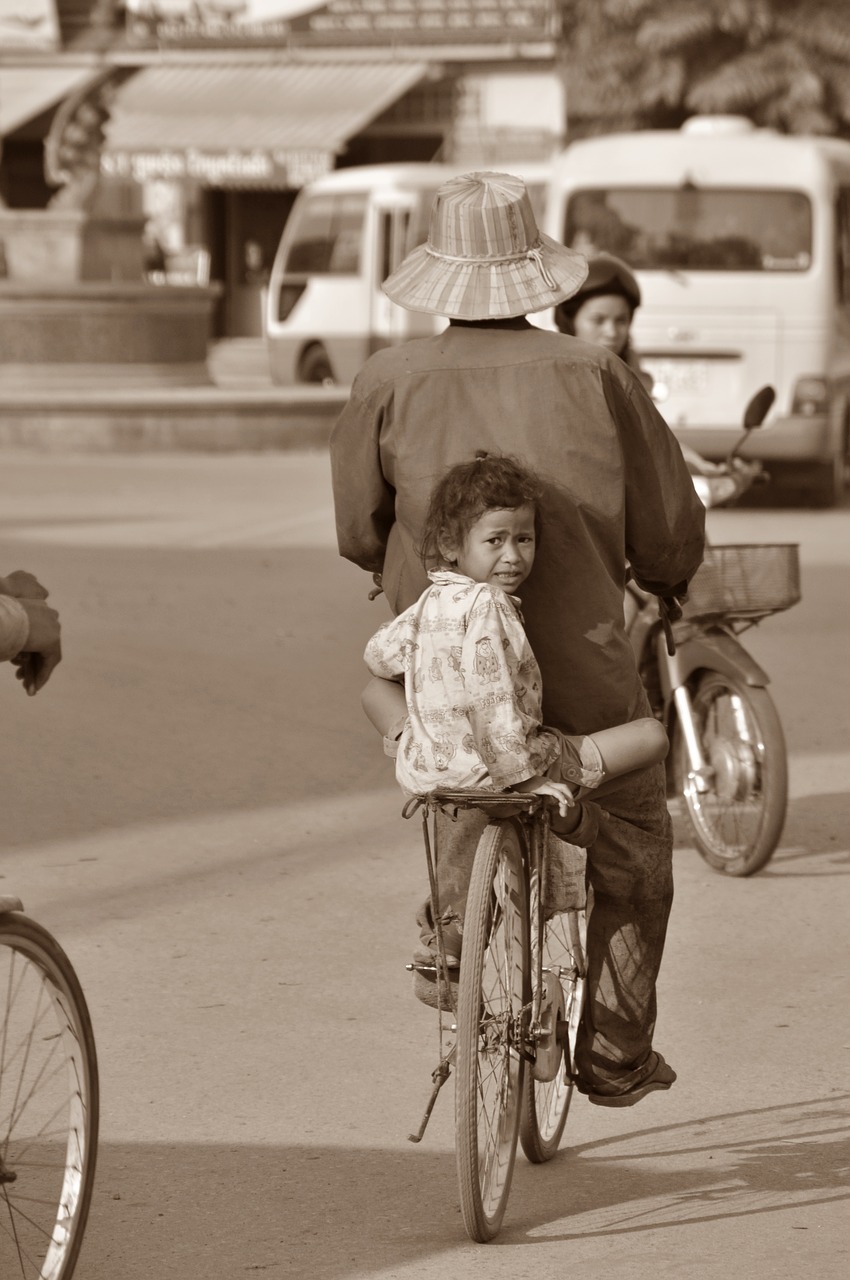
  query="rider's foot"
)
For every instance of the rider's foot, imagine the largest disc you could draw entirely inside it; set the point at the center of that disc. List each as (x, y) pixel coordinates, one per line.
(660, 1077)
(451, 935)
(436, 989)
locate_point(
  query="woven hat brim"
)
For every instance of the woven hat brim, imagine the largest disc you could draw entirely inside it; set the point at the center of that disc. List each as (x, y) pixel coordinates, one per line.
(482, 290)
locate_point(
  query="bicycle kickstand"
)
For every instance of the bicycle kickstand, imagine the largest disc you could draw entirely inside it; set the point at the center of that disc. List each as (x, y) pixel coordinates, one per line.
(439, 1075)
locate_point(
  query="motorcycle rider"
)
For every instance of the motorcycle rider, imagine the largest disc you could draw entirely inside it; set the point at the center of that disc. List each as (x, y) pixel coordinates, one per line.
(602, 313)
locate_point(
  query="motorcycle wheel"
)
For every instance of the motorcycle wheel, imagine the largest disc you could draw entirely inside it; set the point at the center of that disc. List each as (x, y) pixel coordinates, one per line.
(737, 822)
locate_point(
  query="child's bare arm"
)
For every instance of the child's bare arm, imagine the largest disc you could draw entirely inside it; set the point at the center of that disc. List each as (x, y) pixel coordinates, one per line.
(385, 705)
(627, 747)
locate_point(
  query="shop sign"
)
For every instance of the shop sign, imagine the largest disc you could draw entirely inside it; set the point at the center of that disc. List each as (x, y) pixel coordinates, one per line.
(341, 23)
(28, 24)
(193, 23)
(378, 22)
(234, 168)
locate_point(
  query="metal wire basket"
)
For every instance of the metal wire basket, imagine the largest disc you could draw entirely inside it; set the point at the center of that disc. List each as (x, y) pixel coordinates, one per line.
(745, 581)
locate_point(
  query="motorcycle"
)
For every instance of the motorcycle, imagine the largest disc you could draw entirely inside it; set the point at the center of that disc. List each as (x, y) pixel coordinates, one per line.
(728, 761)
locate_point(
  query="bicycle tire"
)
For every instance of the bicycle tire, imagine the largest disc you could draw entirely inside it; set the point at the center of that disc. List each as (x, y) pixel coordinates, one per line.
(736, 825)
(546, 1103)
(49, 1105)
(491, 1015)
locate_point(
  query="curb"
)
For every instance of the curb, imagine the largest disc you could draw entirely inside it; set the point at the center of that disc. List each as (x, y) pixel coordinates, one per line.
(193, 419)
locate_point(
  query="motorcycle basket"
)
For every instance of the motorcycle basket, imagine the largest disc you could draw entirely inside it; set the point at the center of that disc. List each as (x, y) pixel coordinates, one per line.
(745, 581)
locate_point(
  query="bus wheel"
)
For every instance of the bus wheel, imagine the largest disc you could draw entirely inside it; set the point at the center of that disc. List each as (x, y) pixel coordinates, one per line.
(314, 366)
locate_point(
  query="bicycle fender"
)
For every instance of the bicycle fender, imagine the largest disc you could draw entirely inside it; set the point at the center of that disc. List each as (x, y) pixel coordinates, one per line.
(713, 651)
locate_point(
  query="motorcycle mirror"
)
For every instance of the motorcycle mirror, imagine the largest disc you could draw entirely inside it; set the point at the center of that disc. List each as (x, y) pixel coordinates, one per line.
(758, 408)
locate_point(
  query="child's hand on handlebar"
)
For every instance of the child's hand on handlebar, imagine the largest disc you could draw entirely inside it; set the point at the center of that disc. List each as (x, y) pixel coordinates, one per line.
(543, 786)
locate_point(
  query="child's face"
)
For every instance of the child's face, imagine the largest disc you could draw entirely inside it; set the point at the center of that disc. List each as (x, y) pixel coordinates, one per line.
(605, 321)
(499, 548)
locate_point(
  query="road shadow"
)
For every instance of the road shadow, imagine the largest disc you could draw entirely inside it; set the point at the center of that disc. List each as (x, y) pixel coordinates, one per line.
(720, 1167)
(193, 1211)
(815, 826)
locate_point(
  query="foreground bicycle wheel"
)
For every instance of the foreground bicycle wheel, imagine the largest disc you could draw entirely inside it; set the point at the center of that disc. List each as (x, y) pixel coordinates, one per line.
(737, 823)
(492, 1009)
(48, 1105)
(545, 1103)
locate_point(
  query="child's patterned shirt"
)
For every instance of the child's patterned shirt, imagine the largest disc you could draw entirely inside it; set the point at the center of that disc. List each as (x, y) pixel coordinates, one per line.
(472, 687)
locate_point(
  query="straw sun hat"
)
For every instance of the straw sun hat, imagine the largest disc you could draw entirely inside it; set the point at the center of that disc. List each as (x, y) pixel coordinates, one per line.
(485, 257)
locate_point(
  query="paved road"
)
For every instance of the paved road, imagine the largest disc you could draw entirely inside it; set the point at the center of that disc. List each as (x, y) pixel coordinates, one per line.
(197, 809)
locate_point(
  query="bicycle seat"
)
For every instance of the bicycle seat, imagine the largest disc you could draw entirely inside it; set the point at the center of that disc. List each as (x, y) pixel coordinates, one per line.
(8, 903)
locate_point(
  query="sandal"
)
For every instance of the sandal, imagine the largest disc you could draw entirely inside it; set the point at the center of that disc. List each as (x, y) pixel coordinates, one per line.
(661, 1077)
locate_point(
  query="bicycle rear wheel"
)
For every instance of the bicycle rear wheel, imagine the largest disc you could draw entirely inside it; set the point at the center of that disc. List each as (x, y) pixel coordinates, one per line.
(492, 1010)
(545, 1103)
(48, 1105)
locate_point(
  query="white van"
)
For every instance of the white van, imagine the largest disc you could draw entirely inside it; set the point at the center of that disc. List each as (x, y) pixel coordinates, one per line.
(326, 311)
(740, 239)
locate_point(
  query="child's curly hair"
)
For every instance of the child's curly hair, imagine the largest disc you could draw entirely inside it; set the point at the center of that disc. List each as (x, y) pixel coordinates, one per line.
(490, 482)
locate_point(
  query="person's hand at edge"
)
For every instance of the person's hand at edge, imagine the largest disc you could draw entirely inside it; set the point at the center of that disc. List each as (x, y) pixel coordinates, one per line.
(42, 651)
(23, 586)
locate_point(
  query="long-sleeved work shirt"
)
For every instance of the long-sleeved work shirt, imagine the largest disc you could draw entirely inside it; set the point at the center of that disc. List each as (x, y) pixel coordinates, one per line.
(616, 490)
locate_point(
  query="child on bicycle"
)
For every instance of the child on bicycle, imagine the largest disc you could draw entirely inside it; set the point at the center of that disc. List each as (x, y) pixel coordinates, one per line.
(456, 689)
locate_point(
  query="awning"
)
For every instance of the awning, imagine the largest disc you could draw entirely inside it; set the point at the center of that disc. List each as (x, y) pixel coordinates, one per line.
(27, 91)
(246, 125)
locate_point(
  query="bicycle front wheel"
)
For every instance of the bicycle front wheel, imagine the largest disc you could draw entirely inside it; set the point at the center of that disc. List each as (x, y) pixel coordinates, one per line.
(545, 1103)
(491, 1016)
(48, 1105)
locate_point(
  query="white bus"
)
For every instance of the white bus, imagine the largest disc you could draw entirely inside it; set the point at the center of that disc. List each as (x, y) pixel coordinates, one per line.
(326, 311)
(740, 239)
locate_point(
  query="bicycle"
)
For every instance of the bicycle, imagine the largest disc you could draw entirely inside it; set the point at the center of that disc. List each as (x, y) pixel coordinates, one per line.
(520, 996)
(49, 1103)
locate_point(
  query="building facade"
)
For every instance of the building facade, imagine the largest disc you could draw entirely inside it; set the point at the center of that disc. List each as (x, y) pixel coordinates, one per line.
(212, 115)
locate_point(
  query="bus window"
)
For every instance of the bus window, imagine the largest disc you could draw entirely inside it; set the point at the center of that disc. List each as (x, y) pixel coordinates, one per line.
(418, 229)
(692, 229)
(385, 244)
(842, 245)
(393, 236)
(327, 236)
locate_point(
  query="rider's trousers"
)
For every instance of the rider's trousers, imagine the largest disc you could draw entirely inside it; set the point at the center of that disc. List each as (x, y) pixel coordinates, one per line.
(630, 891)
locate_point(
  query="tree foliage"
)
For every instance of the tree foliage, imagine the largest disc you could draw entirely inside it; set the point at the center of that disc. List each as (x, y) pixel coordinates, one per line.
(635, 64)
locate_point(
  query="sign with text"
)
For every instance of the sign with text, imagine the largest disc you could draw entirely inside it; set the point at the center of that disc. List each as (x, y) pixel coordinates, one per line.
(261, 168)
(341, 23)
